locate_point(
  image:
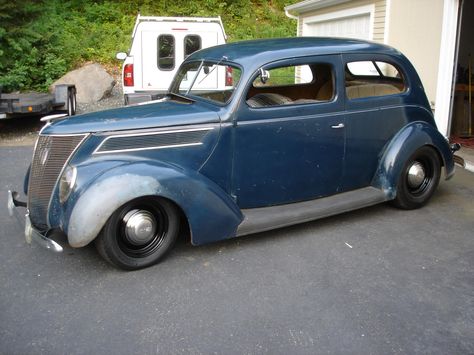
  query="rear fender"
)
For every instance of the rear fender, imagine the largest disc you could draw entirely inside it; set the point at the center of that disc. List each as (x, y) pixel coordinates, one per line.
(212, 215)
(402, 146)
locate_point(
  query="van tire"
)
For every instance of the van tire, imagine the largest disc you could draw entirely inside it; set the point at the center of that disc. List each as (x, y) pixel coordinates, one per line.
(71, 102)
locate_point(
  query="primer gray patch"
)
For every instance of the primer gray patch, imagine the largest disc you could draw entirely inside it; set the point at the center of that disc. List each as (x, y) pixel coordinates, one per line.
(98, 203)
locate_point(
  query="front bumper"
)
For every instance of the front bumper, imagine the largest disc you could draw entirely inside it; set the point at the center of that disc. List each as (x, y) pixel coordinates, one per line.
(31, 233)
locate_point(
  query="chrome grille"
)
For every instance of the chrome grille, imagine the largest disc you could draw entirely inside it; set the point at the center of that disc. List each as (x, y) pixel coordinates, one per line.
(50, 155)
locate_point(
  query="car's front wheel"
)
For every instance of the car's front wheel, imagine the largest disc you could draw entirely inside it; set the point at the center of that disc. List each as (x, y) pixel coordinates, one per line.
(139, 233)
(419, 179)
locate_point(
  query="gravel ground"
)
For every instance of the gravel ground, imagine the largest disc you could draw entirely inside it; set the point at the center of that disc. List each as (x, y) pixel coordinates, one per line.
(24, 130)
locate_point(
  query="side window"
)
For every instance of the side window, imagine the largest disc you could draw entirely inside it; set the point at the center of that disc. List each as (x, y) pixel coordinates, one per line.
(192, 43)
(292, 85)
(166, 56)
(285, 76)
(373, 78)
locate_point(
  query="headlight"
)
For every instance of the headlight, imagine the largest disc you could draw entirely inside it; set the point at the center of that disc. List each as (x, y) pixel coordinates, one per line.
(66, 183)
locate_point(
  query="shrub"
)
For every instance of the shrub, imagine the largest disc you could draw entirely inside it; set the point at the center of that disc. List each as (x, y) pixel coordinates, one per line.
(42, 40)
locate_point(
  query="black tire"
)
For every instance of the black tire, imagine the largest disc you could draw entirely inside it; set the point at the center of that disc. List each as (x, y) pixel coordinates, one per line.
(124, 248)
(71, 102)
(414, 191)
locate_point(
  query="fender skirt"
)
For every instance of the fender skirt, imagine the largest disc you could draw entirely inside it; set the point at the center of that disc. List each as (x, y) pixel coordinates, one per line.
(211, 213)
(402, 146)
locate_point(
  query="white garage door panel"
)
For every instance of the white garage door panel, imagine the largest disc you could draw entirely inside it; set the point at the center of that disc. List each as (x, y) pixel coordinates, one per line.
(351, 27)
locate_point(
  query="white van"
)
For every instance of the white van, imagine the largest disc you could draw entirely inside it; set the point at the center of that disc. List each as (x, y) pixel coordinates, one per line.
(159, 46)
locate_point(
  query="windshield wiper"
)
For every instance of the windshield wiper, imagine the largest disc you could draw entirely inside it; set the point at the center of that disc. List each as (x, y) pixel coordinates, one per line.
(219, 62)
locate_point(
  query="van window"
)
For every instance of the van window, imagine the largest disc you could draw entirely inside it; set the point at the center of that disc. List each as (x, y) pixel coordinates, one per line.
(373, 78)
(192, 43)
(166, 52)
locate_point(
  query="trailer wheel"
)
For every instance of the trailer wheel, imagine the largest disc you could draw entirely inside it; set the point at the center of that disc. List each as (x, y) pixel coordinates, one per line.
(71, 102)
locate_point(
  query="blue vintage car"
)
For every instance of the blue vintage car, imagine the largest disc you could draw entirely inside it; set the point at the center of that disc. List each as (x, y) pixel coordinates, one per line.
(251, 136)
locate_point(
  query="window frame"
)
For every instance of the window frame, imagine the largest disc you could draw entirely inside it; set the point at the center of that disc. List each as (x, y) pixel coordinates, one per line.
(404, 79)
(158, 57)
(301, 61)
(174, 87)
(184, 44)
(285, 85)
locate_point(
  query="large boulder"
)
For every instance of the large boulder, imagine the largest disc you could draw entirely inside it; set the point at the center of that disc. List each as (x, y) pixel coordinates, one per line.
(92, 82)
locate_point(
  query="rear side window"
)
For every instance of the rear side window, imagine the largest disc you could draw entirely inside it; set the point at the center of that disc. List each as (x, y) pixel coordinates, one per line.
(372, 79)
(192, 43)
(166, 52)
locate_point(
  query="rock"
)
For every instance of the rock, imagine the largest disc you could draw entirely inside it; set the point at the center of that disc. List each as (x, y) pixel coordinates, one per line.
(92, 82)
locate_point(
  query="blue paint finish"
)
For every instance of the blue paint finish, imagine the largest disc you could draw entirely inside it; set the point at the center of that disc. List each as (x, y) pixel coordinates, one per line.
(211, 214)
(412, 137)
(161, 114)
(251, 55)
(218, 166)
(253, 157)
(290, 153)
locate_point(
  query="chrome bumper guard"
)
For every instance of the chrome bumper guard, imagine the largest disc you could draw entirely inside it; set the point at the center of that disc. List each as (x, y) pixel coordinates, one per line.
(31, 234)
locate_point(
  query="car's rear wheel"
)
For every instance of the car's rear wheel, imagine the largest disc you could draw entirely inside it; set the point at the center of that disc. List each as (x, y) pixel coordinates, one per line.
(419, 179)
(139, 233)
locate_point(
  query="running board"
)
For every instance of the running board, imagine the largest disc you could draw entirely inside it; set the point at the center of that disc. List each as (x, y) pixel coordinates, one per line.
(262, 219)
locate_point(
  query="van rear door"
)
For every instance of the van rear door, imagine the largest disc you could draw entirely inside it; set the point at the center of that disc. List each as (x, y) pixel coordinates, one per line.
(163, 53)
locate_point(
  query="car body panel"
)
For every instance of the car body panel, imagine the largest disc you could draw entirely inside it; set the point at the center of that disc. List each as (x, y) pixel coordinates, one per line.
(210, 212)
(224, 164)
(410, 138)
(289, 138)
(162, 113)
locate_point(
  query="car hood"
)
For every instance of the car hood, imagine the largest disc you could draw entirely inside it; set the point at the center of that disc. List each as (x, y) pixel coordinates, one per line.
(150, 115)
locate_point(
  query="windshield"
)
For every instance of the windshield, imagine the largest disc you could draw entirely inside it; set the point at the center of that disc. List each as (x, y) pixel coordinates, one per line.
(212, 81)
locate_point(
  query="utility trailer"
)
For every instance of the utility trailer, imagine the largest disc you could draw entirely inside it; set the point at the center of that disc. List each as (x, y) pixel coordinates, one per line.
(63, 99)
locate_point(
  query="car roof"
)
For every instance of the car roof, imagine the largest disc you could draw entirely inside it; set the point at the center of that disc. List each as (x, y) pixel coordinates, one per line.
(259, 52)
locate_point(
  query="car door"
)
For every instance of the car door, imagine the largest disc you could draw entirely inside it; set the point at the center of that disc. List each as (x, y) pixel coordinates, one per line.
(376, 89)
(291, 151)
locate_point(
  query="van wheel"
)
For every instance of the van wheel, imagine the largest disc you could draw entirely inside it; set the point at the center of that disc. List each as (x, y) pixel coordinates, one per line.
(71, 102)
(419, 179)
(139, 233)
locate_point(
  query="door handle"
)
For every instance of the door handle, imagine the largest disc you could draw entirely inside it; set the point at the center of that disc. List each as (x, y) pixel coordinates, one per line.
(340, 125)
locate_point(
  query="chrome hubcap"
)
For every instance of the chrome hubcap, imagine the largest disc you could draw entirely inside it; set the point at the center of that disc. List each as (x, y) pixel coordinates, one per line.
(140, 226)
(416, 175)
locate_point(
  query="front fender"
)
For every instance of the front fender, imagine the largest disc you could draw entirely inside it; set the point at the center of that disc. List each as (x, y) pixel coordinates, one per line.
(402, 146)
(211, 213)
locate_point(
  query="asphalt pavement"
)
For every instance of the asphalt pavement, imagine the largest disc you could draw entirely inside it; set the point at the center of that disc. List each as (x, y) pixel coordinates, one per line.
(373, 281)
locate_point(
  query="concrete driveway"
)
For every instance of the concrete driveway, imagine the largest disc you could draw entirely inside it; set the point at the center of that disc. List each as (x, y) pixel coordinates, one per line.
(374, 281)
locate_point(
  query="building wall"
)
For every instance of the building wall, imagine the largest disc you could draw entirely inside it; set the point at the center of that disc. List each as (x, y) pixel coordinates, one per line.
(379, 16)
(415, 29)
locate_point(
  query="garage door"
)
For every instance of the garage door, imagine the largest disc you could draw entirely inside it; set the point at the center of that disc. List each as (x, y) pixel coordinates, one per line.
(351, 27)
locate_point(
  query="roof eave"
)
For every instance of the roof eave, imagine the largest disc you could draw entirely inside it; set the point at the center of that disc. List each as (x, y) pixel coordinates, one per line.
(311, 5)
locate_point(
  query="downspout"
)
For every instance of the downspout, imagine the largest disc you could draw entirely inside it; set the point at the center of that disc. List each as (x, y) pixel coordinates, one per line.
(293, 17)
(287, 13)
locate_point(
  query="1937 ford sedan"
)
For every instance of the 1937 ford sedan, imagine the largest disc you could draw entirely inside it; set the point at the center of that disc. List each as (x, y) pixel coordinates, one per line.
(251, 136)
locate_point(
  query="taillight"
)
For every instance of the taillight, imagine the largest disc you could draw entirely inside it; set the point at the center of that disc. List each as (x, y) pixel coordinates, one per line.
(128, 75)
(228, 76)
